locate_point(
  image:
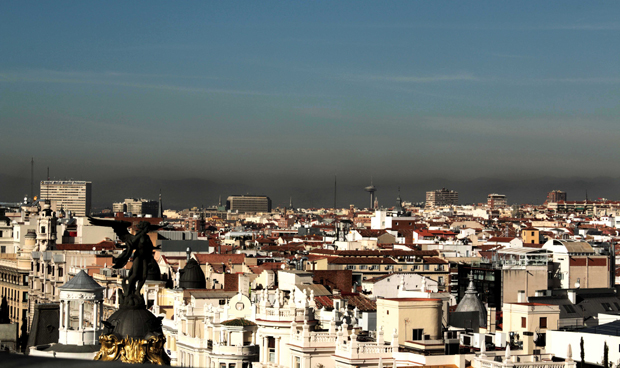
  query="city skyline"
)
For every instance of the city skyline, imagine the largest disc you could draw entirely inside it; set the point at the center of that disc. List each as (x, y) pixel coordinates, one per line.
(288, 92)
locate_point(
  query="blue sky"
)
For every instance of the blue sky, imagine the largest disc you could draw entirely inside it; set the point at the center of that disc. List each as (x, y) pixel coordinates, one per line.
(292, 90)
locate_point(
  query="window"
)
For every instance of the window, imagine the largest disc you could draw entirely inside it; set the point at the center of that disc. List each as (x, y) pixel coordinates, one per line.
(523, 322)
(42, 229)
(3, 249)
(297, 362)
(426, 267)
(543, 322)
(222, 301)
(417, 334)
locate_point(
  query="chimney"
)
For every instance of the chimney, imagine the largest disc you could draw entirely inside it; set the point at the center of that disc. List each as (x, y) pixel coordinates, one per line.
(521, 296)
(572, 296)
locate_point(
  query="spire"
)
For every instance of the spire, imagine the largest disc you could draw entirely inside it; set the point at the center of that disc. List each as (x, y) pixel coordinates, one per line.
(471, 289)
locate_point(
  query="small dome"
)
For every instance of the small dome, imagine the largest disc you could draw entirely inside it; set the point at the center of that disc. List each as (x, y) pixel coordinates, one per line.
(136, 323)
(31, 234)
(192, 276)
(471, 303)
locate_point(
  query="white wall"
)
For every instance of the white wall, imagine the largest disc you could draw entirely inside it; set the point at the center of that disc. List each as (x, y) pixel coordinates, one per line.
(557, 344)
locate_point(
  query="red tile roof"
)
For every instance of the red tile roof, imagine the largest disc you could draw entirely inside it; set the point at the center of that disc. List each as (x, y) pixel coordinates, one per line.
(103, 245)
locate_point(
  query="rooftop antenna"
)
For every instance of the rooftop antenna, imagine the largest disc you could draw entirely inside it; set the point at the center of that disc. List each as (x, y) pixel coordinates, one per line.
(32, 179)
(335, 191)
(47, 188)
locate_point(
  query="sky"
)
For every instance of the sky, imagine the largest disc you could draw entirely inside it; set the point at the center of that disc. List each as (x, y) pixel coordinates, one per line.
(288, 92)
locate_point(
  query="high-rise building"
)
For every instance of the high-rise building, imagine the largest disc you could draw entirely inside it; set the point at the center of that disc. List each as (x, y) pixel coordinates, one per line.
(495, 200)
(556, 196)
(442, 197)
(137, 206)
(70, 195)
(248, 203)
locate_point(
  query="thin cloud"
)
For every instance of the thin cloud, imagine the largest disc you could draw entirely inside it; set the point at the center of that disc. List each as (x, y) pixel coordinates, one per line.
(414, 79)
(489, 27)
(90, 78)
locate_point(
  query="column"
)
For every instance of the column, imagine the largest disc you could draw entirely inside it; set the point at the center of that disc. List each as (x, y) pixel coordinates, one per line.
(261, 350)
(100, 317)
(254, 338)
(229, 338)
(67, 314)
(95, 315)
(62, 317)
(81, 316)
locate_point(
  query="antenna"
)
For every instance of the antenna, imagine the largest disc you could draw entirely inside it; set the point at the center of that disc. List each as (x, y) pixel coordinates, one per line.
(32, 179)
(335, 191)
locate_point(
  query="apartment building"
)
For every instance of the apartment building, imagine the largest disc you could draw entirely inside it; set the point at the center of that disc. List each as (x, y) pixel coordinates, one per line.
(248, 203)
(69, 195)
(441, 197)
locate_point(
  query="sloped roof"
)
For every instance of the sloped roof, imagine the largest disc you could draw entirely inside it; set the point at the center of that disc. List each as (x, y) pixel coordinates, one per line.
(238, 322)
(81, 282)
(353, 300)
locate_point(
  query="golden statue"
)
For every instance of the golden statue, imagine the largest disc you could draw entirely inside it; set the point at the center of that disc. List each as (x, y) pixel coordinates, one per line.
(155, 351)
(134, 351)
(133, 334)
(110, 348)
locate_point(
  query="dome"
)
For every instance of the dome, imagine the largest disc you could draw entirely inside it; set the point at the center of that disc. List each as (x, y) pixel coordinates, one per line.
(471, 303)
(31, 234)
(192, 276)
(153, 273)
(81, 282)
(135, 323)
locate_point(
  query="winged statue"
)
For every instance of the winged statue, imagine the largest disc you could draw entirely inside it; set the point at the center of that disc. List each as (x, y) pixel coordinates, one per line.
(139, 246)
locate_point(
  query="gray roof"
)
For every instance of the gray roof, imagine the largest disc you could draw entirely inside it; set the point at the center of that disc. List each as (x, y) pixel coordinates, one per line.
(197, 246)
(611, 328)
(589, 303)
(81, 282)
(471, 303)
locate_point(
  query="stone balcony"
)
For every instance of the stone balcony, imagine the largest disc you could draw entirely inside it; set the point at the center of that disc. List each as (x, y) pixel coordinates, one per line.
(194, 342)
(288, 314)
(507, 360)
(355, 350)
(246, 350)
